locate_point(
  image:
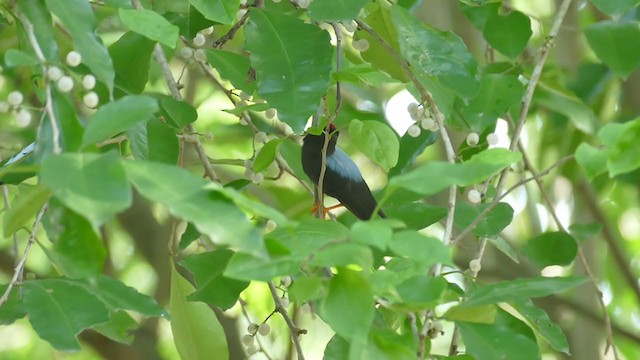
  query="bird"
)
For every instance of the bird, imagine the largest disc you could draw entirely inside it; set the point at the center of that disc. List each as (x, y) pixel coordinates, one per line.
(342, 179)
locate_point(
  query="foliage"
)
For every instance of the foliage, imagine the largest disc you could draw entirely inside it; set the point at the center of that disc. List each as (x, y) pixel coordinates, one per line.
(114, 110)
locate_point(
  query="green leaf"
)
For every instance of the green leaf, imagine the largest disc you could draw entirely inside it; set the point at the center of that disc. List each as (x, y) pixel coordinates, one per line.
(244, 108)
(119, 328)
(539, 321)
(335, 10)
(131, 55)
(150, 24)
(266, 155)
(521, 289)
(162, 142)
(611, 41)
(583, 232)
(377, 141)
(187, 197)
(59, 310)
(623, 154)
(506, 248)
(437, 54)
(348, 290)
(567, 104)
(24, 207)
(248, 267)
(509, 33)
(615, 8)
(421, 292)
(233, 67)
(506, 339)
(197, 332)
(552, 248)
(426, 250)
(118, 116)
(410, 148)
(479, 14)
(212, 287)
(177, 113)
(592, 160)
(77, 249)
(118, 296)
(70, 130)
(13, 58)
(437, 175)
(222, 11)
(380, 21)
(343, 254)
(307, 288)
(376, 233)
(292, 61)
(40, 17)
(12, 309)
(92, 185)
(78, 18)
(415, 215)
(483, 314)
(491, 225)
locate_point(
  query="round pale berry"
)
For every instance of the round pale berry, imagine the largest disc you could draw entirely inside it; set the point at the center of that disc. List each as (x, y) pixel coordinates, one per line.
(427, 123)
(200, 55)
(440, 117)
(252, 328)
(264, 329)
(199, 40)
(270, 113)
(23, 118)
(270, 226)
(252, 350)
(474, 196)
(54, 73)
(73, 58)
(412, 108)
(247, 340)
(15, 98)
(285, 302)
(4, 106)
(414, 130)
(241, 103)
(88, 81)
(186, 52)
(361, 45)
(261, 137)
(472, 139)
(65, 84)
(91, 100)
(207, 31)
(244, 96)
(285, 281)
(257, 178)
(492, 139)
(475, 265)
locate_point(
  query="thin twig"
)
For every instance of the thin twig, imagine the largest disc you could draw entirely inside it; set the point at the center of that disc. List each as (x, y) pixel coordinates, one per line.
(17, 274)
(55, 131)
(5, 196)
(295, 331)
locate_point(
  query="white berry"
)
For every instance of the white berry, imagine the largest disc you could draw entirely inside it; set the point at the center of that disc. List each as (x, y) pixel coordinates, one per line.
(91, 100)
(474, 196)
(492, 139)
(199, 40)
(207, 31)
(244, 96)
(4, 106)
(247, 340)
(23, 118)
(88, 81)
(350, 26)
(15, 98)
(73, 58)
(285, 302)
(186, 52)
(361, 45)
(257, 178)
(252, 350)
(475, 265)
(261, 137)
(271, 225)
(472, 139)
(241, 103)
(264, 329)
(427, 123)
(412, 108)
(270, 113)
(200, 55)
(65, 84)
(305, 308)
(414, 130)
(440, 117)
(54, 73)
(252, 328)
(241, 14)
(286, 281)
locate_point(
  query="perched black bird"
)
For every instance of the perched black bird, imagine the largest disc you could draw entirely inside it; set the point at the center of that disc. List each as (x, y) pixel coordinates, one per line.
(342, 178)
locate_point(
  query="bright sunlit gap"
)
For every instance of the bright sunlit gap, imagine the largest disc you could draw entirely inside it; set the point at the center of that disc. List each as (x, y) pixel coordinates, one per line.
(395, 110)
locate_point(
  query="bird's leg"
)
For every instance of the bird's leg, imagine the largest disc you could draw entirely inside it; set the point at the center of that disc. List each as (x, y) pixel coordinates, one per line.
(314, 208)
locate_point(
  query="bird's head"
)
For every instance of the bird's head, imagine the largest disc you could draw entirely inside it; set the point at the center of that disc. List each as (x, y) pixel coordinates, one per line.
(318, 140)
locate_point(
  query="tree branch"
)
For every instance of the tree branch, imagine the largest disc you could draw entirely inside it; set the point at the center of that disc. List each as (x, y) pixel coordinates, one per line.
(295, 331)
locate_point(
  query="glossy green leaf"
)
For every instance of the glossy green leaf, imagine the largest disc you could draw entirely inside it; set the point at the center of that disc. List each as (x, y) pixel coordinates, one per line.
(248, 267)
(415, 215)
(539, 321)
(426, 250)
(348, 290)
(151, 25)
(483, 314)
(118, 296)
(233, 67)
(479, 14)
(383, 344)
(552, 248)
(187, 197)
(437, 175)
(78, 18)
(39, 16)
(615, 8)
(307, 288)
(505, 247)
(377, 141)
(592, 160)
(131, 55)
(118, 116)
(410, 148)
(521, 289)
(567, 104)
(491, 225)
(509, 33)
(266, 155)
(250, 107)
(26, 204)
(310, 235)
(437, 54)
(506, 339)
(69, 128)
(222, 11)
(421, 292)
(177, 113)
(292, 61)
(380, 21)
(343, 254)
(13, 58)
(375, 233)
(337, 349)
(59, 310)
(162, 142)
(12, 309)
(623, 154)
(335, 10)
(613, 42)
(197, 332)
(211, 286)
(119, 328)
(77, 249)
(92, 185)
(583, 232)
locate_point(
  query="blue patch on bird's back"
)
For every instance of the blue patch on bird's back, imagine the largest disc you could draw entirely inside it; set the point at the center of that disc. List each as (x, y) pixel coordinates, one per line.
(342, 164)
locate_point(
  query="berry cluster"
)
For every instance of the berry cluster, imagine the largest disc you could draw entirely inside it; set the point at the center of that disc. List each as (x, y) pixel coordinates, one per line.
(65, 83)
(424, 120)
